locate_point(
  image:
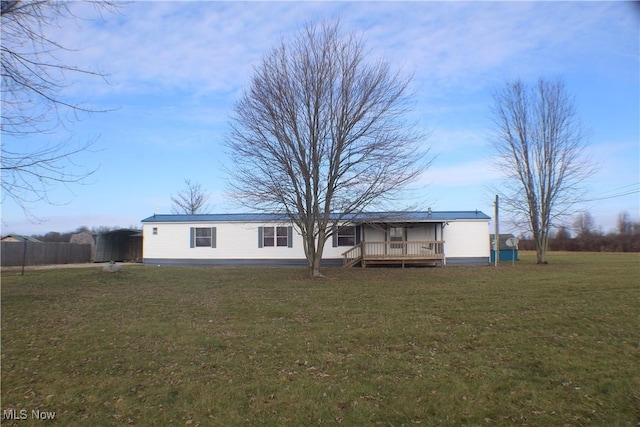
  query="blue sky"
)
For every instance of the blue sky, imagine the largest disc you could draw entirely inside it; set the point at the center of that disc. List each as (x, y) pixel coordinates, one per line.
(175, 70)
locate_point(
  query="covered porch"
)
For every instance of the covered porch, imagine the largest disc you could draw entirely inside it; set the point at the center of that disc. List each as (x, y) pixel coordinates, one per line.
(428, 252)
(392, 243)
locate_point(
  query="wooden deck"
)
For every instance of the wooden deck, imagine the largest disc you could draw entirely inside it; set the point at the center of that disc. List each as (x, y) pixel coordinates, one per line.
(395, 253)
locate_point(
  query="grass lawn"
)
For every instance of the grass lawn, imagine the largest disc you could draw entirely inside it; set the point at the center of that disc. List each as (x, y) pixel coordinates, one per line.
(553, 345)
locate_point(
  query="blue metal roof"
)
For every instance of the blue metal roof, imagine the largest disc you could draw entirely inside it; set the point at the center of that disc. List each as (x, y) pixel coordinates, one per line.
(423, 216)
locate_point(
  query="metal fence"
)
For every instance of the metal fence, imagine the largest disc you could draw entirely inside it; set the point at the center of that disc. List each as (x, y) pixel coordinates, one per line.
(43, 253)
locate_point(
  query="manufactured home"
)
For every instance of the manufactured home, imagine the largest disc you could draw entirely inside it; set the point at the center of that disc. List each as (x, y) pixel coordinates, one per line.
(365, 239)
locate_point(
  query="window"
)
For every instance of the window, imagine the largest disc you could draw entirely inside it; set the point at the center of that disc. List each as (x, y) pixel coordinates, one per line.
(347, 236)
(155, 231)
(203, 237)
(283, 236)
(267, 233)
(275, 236)
(396, 234)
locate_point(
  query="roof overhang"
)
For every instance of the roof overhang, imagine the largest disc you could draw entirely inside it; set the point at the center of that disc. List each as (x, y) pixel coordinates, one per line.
(357, 218)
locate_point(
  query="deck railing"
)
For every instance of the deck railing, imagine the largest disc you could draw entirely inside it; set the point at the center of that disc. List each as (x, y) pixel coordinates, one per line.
(352, 256)
(407, 250)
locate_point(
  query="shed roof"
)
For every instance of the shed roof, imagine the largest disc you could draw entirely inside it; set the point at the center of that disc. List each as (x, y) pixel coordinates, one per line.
(20, 238)
(123, 231)
(422, 216)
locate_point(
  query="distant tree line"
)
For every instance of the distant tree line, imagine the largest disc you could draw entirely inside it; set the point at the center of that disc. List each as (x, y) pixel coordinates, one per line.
(584, 235)
(55, 236)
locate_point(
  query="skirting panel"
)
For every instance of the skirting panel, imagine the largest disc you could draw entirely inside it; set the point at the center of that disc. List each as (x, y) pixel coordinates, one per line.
(453, 261)
(275, 262)
(329, 262)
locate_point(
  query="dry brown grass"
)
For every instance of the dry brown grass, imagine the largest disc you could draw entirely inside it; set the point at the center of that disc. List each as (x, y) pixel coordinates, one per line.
(523, 345)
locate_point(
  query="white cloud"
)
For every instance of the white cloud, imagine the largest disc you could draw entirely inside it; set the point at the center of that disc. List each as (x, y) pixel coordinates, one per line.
(457, 142)
(205, 51)
(176, 68)
(477, 172)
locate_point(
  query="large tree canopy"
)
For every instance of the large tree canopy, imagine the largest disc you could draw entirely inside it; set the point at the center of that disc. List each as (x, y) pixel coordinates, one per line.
(322, 129)
(540, 146)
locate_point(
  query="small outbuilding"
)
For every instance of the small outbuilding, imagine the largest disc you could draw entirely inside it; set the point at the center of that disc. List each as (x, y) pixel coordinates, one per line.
(120, 245)
(508, 247)
(85, 238)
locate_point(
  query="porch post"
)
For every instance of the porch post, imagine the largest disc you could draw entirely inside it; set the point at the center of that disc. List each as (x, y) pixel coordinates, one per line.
(444, 257)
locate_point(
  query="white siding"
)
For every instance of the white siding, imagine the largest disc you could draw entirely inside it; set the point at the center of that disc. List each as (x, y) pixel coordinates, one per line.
(331, 252)
(466, 239)
(374, 234)
(239, 240)
(422, 232)
(234, 240)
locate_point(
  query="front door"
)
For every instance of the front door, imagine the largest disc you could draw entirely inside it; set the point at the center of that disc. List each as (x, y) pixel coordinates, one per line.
(397, 234)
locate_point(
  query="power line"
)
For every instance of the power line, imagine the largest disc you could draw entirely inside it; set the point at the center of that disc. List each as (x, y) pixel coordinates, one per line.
(615, 193)
(613, 196)
(637, 184)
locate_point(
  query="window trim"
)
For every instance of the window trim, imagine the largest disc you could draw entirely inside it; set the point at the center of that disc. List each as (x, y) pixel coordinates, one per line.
(397, 242)
(282, 236)
(268, 237)
(336, 235)
(194, 238)
(276, 235)
(350, 236)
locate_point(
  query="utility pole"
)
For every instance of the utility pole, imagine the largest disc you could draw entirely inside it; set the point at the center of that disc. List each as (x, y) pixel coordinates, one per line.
(496, 240)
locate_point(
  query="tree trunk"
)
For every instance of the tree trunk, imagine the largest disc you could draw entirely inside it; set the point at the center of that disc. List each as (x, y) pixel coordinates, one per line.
(541, 249)
(313, 248)
(314, 262)
(314, 267)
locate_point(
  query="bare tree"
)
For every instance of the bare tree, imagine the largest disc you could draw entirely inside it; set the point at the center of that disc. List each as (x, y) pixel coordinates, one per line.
(624, 223)
(583, 224)
(191, 201)
(321, 130)
(540, 149)
(33, 80)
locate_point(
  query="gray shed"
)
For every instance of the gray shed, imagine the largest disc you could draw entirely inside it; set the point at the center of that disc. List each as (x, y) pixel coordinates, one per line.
(119, 245)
